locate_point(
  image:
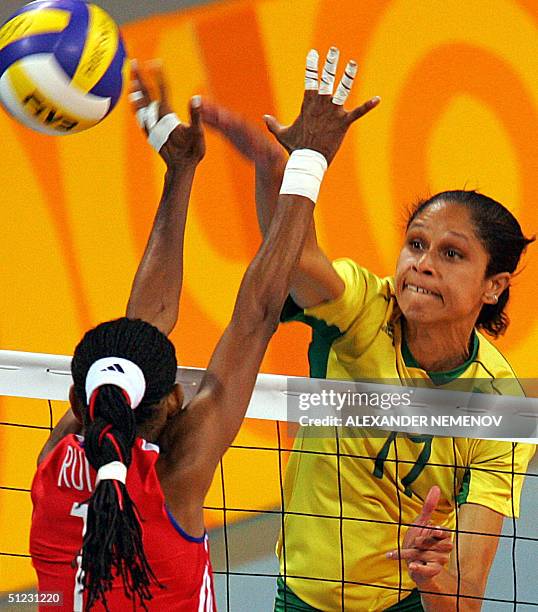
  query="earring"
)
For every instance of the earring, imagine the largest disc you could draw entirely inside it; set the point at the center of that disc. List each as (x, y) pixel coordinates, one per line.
(495, 298)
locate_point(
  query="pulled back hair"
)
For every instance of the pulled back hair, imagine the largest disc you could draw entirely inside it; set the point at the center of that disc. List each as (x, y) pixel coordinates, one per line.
(503, 239)
(112, 544)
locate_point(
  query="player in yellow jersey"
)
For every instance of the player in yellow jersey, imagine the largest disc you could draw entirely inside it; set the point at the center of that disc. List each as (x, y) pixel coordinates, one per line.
(347, 500)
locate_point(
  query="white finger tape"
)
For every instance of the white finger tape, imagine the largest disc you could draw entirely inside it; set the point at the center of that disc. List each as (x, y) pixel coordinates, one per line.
(148, 116)
(141, 117)
(311, 74)
(159, 134)
(152, 116)
(135, 96)
(329, 72)
(346, 83)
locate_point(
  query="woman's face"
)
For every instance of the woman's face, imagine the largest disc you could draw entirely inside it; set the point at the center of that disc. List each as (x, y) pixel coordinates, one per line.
(440, 276)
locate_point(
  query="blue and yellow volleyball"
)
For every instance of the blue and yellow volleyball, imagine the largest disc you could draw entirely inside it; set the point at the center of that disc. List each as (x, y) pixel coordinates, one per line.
(61, 65)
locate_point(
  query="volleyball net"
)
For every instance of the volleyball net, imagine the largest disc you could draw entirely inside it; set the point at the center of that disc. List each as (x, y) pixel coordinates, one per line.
(245, 507)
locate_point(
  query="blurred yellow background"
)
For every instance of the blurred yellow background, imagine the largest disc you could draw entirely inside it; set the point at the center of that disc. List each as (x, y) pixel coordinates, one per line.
(459, 88)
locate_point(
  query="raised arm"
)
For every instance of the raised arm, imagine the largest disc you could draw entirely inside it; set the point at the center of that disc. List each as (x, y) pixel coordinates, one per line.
(157, 284)
(208, 426)
(314, 279)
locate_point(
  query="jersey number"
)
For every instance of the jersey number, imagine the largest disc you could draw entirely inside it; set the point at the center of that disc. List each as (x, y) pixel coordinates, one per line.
(80, 510)
(416, 470)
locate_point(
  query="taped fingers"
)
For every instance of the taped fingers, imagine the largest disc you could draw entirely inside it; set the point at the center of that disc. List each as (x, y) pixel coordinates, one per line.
(160, 133)
(346, 83)
(195, 108)
(137, 82)
(148, 116)
(311, 73)
(136, 96)
(329, 72)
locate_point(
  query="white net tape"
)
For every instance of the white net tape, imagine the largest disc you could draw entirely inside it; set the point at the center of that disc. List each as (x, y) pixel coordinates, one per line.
(275, 397)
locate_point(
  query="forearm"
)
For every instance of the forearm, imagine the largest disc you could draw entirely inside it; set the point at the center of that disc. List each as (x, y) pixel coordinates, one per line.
(157, 284)
(446, 584)
(269, 170)
(266, 282)
(312, 280)
(269, 173)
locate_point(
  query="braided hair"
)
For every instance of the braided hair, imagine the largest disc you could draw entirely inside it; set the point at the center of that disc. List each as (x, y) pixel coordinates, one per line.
(112, 544)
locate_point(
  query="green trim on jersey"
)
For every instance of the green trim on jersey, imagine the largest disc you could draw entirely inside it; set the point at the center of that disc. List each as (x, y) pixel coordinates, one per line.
(441, 378)
(287, 601)
(464, 489)
(323, 336)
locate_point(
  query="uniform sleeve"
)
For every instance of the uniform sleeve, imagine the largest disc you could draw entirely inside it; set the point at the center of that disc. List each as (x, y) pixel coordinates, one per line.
(496, 475)
(360, 285)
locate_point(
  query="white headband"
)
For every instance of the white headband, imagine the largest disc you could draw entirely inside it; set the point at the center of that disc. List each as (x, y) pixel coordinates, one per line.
(120, 372)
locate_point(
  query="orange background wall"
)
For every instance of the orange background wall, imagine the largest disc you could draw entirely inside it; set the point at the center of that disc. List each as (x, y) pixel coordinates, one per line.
(459, 88)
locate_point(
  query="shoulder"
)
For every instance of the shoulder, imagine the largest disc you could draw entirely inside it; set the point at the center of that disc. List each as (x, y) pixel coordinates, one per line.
(359, 278)
(492, 360)
(365, 295)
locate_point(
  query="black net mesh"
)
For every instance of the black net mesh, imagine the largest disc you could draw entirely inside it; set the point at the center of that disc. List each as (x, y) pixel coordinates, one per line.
(244, 565)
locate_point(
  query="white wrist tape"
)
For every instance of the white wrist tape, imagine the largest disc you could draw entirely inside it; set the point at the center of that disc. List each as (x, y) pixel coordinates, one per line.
(115, 470)
(120, 372)
(159, 134)
(303, 175)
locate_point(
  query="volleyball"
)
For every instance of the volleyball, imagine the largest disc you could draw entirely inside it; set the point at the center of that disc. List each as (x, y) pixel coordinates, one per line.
(62, 64)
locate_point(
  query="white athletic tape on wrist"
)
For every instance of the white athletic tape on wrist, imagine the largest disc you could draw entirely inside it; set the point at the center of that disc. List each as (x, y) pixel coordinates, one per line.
(119, 372)
(115, 470)
(346, 83)
(329, 72)
(303, 175)
(161, 132)
(311, 73)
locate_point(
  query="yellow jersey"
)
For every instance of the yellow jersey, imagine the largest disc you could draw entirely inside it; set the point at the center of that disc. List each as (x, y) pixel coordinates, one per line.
(345, 498)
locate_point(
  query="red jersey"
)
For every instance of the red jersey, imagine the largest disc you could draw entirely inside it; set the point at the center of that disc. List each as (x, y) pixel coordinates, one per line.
(180, 562)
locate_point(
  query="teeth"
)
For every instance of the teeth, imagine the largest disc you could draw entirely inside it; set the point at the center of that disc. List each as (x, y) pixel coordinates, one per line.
(419, 290)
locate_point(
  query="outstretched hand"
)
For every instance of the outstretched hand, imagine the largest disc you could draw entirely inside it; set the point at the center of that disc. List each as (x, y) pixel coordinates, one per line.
(248, 139)
(184, 144)
(322, 122)
(426, 549)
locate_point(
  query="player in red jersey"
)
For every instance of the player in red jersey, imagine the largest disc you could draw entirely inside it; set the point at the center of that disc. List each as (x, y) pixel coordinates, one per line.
(118, 518)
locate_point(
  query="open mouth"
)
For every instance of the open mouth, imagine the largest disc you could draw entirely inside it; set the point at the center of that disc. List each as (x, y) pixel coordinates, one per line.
(422, 290)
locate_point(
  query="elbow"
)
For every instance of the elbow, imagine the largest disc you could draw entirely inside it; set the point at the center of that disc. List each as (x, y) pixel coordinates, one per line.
(258, 320)
(271, 320)
(268, 320)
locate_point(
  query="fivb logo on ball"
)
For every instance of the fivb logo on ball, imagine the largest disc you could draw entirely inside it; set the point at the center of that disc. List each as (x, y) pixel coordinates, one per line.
(61, 65)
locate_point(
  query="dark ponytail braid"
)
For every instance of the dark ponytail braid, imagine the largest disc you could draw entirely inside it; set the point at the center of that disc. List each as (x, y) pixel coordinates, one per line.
(112, 544)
